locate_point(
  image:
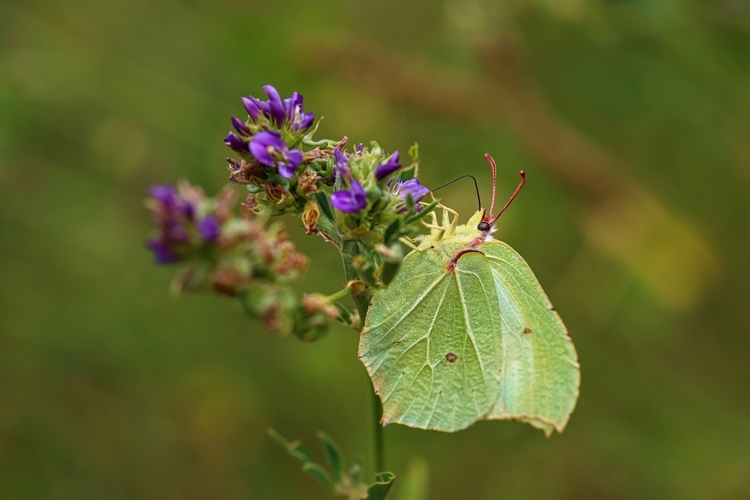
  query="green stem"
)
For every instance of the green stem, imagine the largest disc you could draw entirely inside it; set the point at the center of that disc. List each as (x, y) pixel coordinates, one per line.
(377, 412)
(338, 295)
(350, 249)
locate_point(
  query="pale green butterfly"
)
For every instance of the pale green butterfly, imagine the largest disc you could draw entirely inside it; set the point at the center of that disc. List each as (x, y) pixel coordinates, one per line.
(465, 332)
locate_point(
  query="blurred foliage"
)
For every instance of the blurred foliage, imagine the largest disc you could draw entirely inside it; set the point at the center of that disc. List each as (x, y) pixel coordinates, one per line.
(631, 118)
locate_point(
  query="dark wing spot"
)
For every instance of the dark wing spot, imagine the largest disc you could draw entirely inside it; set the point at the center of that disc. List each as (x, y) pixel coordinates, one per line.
(451, 357)
(527, 330)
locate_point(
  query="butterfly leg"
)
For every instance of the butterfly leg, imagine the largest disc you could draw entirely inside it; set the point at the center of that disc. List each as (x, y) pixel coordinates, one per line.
(407, 241)
(449, 225)
(434, 224)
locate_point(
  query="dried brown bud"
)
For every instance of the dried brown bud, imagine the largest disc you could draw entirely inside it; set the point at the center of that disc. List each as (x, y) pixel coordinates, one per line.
(310, 217)
(225, 203)
(317, 303)
(250, 203)
(308, 182)
(276, 192)
(191, 194)
(357, 287)
(314, 154)
(227, 281)
(246, 173)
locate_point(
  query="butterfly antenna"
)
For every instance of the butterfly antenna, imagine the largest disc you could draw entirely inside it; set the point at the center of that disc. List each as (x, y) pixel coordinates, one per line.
(494, 181)
(476, 187)
(512, 197)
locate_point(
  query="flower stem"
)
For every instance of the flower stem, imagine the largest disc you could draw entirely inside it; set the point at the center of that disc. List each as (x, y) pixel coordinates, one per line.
(350, 249)
(377, 411)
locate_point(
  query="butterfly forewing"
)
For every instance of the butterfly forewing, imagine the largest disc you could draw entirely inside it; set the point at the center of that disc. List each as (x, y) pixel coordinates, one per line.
(431, 343)
(540, 373)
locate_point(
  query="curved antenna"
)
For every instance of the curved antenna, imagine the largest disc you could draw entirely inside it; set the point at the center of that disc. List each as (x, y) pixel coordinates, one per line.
(512, 197)
(494, 181)
(476, 186)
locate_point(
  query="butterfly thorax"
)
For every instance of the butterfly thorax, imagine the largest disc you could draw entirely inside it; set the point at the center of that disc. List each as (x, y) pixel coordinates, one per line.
(451, 240)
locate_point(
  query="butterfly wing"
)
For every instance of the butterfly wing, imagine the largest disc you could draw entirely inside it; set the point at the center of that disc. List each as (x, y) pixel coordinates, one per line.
(430, 344)
(540, 372)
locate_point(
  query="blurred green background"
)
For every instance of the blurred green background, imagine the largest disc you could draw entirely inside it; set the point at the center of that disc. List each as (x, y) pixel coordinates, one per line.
(632, 119)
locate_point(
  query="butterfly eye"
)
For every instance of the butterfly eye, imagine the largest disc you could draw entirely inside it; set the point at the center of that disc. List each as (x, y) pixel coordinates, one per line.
(484, 226)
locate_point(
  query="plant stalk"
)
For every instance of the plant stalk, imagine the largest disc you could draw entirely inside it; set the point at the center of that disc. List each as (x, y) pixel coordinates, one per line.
(350, 249)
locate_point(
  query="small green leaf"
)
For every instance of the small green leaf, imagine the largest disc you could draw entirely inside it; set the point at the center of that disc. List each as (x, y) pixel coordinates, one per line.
(294, 448)
(345, 316)
(382, 485)
(329, 232)
(334, 455)
(425, 210)
(365, 270)
(390, 269)
(319, 473)
(392, 232)
(325, 206)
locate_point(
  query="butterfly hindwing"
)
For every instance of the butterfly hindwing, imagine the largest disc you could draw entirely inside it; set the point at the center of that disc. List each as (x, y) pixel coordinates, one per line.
(540, 371)
(431, 343)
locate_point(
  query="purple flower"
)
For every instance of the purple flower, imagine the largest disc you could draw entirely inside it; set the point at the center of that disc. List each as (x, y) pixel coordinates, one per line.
(274, 108)
(298, 119)
(240, 126)
(387, 168)
(252, 108)
(165, 194)
(350, 201)
(174, 232)
(163, 253)
(235, 142)
(270, 149)
(411, 187)
(342, 165)
(170, 202)
(278, 111)
(209, 228)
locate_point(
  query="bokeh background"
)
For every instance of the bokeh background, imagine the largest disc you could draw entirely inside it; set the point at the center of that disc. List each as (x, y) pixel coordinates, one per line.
(632, 119)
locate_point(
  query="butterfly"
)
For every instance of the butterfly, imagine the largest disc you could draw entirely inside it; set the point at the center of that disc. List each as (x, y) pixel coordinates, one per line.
(466, 333)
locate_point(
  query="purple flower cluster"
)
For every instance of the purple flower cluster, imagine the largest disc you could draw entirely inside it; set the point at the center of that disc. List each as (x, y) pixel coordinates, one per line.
(279, 111)
(354, 199)
(350, 200)
(261, 135)
(177, 219)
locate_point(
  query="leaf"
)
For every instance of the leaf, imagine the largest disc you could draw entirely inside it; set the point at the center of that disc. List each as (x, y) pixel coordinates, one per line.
(382, 485)
(425, 211)
(334, 455)
(319, 474)
(345, 316)
(294, 448)
(465, 333)
(392, 232)
(389, 271)
(325, 205)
